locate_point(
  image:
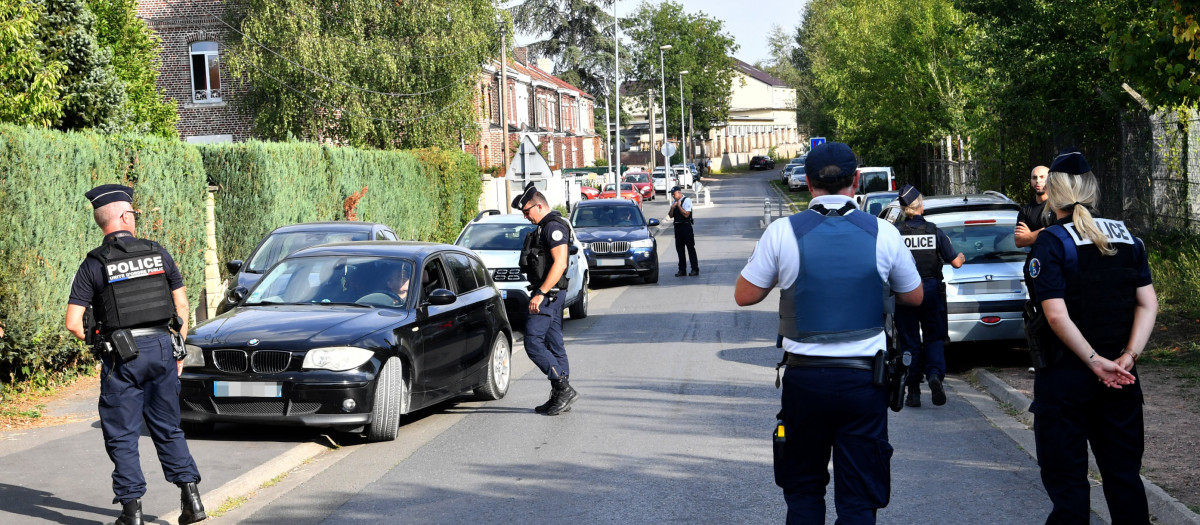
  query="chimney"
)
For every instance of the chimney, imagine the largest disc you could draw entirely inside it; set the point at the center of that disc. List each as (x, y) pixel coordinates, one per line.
(545, 64)
(521, 55)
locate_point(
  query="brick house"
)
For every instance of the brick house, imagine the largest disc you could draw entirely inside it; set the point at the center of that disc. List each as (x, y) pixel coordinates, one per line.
(557, 115)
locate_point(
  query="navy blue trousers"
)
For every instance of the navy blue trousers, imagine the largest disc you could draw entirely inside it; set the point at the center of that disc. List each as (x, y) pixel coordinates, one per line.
(146, 388)
(1072, 409)
(838, 411)
(685, 241)
(544, 339)
(928, 318)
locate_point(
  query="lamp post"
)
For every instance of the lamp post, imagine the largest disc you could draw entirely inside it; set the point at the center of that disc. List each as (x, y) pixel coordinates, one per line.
(662, 75)
(617, 81)
(682, 130)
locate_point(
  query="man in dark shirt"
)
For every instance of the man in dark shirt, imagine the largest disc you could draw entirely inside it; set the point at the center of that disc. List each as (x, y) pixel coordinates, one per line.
(1034, 216)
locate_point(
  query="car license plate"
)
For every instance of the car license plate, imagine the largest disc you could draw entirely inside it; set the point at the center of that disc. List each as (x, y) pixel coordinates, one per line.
(247, 389)
(610, 262)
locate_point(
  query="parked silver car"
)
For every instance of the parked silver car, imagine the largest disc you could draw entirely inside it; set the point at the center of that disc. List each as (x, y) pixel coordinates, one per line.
(985, 297)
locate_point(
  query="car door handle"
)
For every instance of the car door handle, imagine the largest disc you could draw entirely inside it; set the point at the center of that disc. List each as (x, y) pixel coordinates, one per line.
(490, 307)
(461, 319)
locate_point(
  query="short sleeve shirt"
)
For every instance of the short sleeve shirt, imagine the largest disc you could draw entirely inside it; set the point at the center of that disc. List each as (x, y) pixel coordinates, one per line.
(1046, 260)
(89, 279)
(775, 262)
(686, 205)
(1035, 215)
(554, 233)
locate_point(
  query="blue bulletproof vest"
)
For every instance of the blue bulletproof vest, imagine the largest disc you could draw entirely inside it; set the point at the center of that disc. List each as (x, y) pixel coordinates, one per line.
(838, 294)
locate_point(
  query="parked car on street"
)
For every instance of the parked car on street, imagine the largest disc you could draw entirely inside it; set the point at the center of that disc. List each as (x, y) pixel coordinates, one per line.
(788, 169)
(587, 192)
(876, 179)
(984, 298)
(663, 181)
(287, 239)
(797, 179)
(497, 239)
(351, 336)
(762, 162)
(641, 181)
(616, 239)
(627, 192)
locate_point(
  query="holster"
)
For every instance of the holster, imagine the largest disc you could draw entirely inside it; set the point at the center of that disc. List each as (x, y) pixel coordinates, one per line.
(123, 344)
(1035, 323)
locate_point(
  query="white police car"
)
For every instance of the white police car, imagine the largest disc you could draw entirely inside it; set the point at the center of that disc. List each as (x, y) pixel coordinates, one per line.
(985, 297)
(497, 239)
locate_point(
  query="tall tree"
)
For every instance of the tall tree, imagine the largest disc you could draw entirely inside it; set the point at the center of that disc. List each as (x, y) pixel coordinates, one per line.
(699, 46)
(93, 95)
(400, 74)
(135, 61)
(1158, 50)
(29, 89)
(781, 46)
(576, 34)
(813, 116)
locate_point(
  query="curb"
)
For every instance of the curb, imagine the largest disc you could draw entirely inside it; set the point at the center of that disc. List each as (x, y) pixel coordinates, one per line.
(1164, 508)
(251, 481)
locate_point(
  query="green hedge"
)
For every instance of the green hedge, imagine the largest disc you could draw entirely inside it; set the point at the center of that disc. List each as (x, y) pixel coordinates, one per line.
(48, 228)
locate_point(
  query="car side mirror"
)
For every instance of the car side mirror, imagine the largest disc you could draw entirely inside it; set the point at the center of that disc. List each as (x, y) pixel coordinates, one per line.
(440, 297)
(572, 250)
(233, 266)
(652, 222)
(238, 294)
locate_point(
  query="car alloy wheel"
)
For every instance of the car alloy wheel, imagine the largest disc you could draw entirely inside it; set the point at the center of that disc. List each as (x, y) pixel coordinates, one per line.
(499, 370)
(391, 401)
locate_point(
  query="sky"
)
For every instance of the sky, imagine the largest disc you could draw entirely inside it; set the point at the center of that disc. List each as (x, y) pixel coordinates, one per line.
(748, 21)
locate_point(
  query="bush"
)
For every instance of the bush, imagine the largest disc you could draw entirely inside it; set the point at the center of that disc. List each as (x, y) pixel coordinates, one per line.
(48, 228)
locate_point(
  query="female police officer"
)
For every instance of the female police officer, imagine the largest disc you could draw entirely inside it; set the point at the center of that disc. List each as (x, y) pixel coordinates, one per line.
(1091, 280)
(930, 248)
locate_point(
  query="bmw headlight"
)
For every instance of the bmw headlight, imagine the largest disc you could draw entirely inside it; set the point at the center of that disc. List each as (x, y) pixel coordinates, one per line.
(195, 357)
(336, 358)
(586, 245)
(644, 243)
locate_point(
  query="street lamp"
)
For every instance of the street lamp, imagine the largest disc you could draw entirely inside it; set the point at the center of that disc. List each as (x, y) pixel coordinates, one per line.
(662, 75)
(682, 130)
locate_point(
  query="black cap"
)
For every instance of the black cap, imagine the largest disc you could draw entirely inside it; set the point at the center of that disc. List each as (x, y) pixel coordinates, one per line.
(108, 194)
(908, 195)
(830, 154)
(676, 189)
(1070, 161)
(526, 195)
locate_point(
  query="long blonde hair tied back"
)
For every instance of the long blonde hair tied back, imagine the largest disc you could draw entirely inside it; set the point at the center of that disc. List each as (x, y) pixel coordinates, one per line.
(1078, 195)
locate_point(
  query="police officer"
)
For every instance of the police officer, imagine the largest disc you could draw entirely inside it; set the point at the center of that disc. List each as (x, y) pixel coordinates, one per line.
(1034, 216)
(930, 248)
(1091, 281)
(685, 238)
(544, 260)
(833, 264)
(135, 290)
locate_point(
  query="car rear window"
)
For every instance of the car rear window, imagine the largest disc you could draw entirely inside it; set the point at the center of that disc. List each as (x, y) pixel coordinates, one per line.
(494, 236)
(281, 245)
(986, 242)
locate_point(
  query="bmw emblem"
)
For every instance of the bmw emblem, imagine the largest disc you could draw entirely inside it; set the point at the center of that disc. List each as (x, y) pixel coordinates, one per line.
(253, 342)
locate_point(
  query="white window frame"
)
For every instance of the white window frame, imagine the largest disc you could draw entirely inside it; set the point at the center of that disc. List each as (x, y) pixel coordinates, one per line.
(206, 94)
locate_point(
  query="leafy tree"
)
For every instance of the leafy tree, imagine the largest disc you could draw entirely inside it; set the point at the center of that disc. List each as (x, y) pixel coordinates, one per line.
(135, 61)
(698, 46)
(93, 95)
(1158, 51)
(29, 79)
(812, 111)
(400, 75)
(579, 39)
(781, 46)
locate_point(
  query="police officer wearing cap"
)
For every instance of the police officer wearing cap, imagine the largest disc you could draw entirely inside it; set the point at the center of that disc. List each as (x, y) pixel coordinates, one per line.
(135, 290)
(544, 260)
(685, 237)
(834, 265)
(931, 248)
(1090, 280)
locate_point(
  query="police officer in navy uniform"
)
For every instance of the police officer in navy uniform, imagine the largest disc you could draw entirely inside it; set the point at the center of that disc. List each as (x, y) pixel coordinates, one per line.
(1091, 281)
(544, 260)
(931, 248)
(834, 265)
(135, 290)
(685, 236)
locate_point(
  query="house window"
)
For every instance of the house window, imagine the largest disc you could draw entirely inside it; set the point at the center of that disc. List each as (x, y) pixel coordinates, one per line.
(206, 72)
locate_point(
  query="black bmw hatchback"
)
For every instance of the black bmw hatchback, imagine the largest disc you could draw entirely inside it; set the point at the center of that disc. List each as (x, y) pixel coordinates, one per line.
(351, 336)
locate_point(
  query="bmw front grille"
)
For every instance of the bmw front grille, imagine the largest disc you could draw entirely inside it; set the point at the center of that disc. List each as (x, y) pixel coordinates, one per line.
(260, 361)
(610, 247)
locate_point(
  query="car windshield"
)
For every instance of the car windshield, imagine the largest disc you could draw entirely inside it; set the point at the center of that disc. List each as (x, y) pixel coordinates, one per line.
(986, 243)
(637, 177)
(659, 174)
(281, 245)
(494, 236)
(606, 217)
(873, 181)
(341, 280)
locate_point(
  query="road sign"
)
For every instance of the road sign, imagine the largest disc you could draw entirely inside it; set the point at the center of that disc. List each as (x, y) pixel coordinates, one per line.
(668, 149)
(815, 141)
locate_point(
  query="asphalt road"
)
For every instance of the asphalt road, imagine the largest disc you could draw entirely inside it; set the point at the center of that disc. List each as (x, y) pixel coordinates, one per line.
(678, 403)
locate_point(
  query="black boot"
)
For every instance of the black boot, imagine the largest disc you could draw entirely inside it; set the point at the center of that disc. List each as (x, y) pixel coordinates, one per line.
(695, 272)
(555, 391)
(131, 513)
(914, 396)
(192, 507)
(566, 396)
(935, 387)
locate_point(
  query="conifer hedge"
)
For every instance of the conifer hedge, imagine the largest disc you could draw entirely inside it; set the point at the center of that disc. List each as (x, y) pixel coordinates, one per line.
(48, 228)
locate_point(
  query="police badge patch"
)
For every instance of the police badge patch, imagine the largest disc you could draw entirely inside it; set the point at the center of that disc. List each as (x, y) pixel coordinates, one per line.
(1035, 267)
(556, 236)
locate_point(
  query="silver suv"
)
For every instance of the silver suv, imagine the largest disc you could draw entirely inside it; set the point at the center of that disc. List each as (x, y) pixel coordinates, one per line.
(497, 239)
(985, 297)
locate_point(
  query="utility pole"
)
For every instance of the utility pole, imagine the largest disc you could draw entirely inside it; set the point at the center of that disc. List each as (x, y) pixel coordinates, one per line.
(617, 81)
(653, 131)
(607, 135)
(504, 111)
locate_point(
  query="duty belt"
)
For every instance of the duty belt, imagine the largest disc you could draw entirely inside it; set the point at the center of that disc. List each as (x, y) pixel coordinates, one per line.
(152, 330)
(858, 363)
